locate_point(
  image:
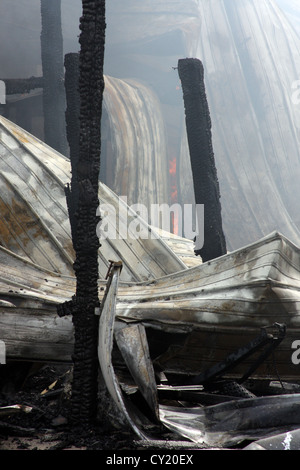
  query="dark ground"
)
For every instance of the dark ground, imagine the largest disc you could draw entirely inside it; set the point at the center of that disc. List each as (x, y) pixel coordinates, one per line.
(47, 426)
(44, 420)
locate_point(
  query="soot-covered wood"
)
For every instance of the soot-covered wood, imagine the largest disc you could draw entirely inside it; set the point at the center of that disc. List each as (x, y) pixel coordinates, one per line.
(22, 85)
(206, 185)
(85, 239)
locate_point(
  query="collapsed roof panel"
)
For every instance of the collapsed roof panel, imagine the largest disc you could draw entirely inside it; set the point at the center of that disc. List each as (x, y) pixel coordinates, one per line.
(180, 322)
(35, 221)
(138, 143)
(215, 307)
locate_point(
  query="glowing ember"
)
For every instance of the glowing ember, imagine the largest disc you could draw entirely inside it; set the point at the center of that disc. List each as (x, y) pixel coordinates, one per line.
(172, 167)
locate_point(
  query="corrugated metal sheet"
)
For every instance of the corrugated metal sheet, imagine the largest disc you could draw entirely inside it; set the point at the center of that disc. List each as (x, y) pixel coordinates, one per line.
(220, 305)
(29, 324)
(35, 222)
(213, 308)
(137, 165)
(250, 52)
(194, 318)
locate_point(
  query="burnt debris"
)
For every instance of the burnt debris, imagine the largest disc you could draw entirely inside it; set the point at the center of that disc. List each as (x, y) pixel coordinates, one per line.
(206, 185)
(22, 85)
(86, 242)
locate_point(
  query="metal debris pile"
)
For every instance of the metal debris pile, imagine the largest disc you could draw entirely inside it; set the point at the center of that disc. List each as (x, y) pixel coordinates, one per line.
(191, 357)
(209, 410)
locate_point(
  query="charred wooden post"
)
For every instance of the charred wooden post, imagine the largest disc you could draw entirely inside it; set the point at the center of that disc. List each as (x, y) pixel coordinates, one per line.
(91, 87)
(206, 185)
(22, 85)
(73, 130)
(53, 74)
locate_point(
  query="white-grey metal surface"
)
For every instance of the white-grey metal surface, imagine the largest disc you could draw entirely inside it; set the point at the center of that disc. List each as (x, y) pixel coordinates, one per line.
(35, 223)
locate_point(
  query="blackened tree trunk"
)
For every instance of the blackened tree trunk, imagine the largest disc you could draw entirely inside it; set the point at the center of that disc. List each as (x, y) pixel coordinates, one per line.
(86, 242)
(54, 102)
(206, 185)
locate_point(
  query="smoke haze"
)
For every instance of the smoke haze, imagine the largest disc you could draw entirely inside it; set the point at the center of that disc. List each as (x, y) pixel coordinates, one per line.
(251, 55)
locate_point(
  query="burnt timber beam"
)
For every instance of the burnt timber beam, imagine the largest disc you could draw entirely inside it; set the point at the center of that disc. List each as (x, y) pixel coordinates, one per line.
(22, 85)
(86, 243)
(206, 185)
(53, 75)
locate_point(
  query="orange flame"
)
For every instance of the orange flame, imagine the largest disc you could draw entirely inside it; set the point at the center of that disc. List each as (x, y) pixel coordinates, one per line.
(172, 167)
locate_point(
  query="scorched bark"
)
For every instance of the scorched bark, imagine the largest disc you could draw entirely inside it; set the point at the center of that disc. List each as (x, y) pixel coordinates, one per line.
(206, 185)
(86, 242)
(22, 85)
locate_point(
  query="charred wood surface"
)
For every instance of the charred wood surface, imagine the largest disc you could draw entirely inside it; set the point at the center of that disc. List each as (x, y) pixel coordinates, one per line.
(54, 102)
(206, 185)
(86, 242)
(22, 85)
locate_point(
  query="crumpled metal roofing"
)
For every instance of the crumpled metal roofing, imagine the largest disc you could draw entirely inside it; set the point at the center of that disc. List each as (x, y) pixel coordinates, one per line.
(250, 52)
(204, 312)
(236, 294)
(137, 163)
(35, 223)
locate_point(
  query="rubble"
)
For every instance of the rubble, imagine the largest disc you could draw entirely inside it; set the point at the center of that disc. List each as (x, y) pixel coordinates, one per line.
(187, 355)
(167, 331)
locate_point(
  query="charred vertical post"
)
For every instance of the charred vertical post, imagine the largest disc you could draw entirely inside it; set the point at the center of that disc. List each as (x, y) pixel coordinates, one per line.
(206, 185)
(73, 131)
(86, 243)
(53, 75)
